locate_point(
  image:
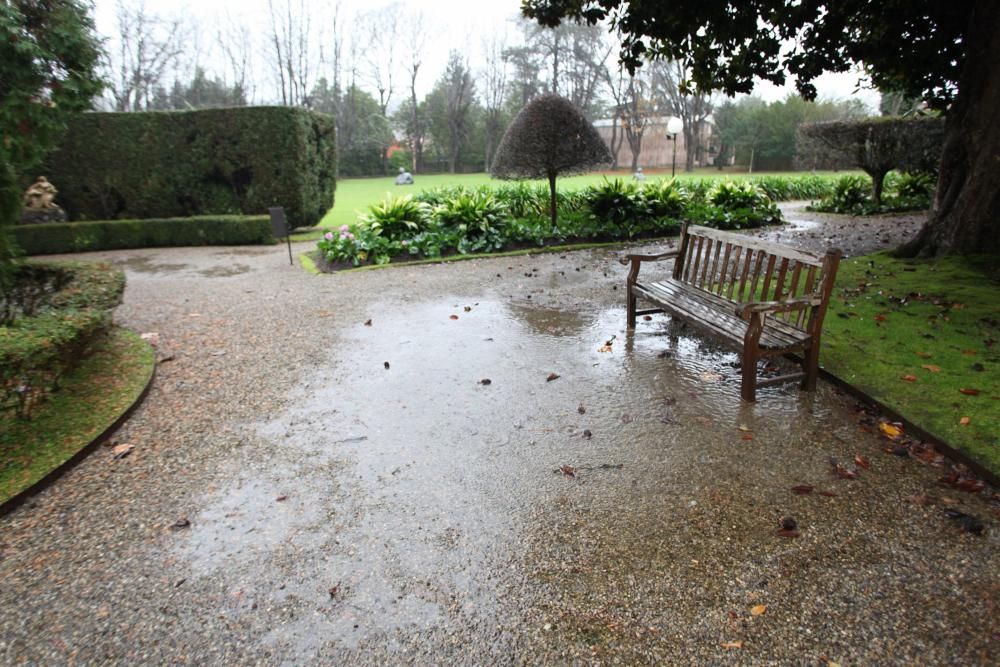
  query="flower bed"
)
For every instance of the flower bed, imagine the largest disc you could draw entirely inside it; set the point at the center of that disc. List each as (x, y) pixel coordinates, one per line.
(448, 221)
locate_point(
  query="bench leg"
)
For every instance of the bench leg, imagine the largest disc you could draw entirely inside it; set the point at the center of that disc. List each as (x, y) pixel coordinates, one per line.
(630, 307)
(751, 355)
(810, 366)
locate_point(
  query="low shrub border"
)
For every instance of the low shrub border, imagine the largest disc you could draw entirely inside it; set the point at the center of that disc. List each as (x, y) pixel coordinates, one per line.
(96, 398)
(68, 237)
(49, 320)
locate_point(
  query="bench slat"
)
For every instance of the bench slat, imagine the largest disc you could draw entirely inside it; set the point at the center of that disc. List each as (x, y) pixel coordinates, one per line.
(756, 244)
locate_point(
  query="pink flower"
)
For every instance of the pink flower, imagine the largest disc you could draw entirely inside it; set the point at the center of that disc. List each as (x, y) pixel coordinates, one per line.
(350, 236)
(345, 228)
(328, 236)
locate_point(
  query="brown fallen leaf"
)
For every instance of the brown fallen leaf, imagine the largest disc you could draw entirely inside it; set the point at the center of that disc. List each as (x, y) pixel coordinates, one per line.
(758, 609)
(732, 644)
(581, 409)
(923, 355)
(802, 489)
(931, 367)
(920, 499)
(552, 376)
(828, 494)
(967, 484)
(181, 523)
(386, 364)
(282, 498)
(843, 472)
(122, 450)
(746, 436)
(862, 461)
(880, 318)
(486, 382)
(569, 471)
(453, 317)
(605, 348)
(969, 392)
(965, 421)
(368, 323)
(784, 532)
(468, 309)
(648, 318)
(909, 378)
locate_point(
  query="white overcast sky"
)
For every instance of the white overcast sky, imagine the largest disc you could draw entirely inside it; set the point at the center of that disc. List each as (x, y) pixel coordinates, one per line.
(454, 24)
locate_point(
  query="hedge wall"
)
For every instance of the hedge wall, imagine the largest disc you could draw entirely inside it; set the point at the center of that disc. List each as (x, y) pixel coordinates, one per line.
(188, 163)
(46, 239)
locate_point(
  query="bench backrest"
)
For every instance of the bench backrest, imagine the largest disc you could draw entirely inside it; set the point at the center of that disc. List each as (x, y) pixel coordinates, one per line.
(740, 268)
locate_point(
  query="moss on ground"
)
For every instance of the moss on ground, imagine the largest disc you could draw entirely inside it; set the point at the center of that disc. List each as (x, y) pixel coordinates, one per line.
(923, 338)
(90, 399)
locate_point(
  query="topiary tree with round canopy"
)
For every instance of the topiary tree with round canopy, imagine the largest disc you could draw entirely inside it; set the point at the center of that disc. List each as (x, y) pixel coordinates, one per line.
(549, 137)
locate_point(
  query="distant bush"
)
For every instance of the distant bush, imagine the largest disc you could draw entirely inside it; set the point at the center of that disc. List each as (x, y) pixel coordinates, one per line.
(479, 218)
(63, 237)
(49, 319)
(852, 195)
(397, 217)
(190, 163)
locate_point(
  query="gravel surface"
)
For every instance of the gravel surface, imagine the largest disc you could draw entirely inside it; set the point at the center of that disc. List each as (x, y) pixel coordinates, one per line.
(375, 467)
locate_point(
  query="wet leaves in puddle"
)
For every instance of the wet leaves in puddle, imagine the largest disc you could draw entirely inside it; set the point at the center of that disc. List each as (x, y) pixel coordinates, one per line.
(552, 376)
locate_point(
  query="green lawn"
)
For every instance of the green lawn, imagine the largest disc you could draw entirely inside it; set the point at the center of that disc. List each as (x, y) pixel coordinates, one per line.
(923, 337)
(354, 195)
(91, 397)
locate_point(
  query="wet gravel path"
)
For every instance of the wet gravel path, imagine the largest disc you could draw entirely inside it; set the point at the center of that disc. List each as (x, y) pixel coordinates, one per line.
(358, 492)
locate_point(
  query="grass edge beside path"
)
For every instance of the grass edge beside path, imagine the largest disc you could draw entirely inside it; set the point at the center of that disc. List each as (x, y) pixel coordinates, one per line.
(91, 398)
(923, 338)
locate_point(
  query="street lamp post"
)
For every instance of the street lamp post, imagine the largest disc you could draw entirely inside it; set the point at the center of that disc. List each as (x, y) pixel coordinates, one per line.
(674, 126)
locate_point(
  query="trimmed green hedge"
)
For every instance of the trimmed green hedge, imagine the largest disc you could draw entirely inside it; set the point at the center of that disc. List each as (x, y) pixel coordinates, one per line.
(60, 237)
(48, 333)
(189, 163)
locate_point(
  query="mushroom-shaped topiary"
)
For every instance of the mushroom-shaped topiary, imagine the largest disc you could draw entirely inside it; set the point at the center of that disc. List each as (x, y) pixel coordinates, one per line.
(548, 138)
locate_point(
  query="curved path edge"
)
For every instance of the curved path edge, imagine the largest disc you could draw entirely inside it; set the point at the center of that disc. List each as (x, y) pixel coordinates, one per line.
(912, 429)
(19, 498)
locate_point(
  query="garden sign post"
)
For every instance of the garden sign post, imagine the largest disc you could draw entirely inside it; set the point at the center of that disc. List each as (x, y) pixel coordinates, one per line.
(279, 228)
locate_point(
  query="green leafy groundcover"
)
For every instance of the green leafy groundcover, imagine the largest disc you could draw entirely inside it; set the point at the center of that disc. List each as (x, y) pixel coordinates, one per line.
(65, 237)
(91, 398)
(923, 337)
(466, 221)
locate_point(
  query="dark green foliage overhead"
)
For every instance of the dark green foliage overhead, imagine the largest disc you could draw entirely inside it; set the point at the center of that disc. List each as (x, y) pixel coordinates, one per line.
(48, 239)
(912, 46)
(186, 163)
(549, 137)
(48, 60)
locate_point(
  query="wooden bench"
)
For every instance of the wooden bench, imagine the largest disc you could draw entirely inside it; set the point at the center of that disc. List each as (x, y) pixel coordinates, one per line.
(765, 299)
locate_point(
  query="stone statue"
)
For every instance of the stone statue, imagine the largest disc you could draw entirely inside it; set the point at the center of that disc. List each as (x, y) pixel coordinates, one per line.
(404, 178)
(39, 204)
(40, 195)
(638, 175)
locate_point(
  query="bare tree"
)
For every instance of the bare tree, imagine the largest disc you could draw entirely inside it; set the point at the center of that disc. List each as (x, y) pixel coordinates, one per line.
(381, 28)
(415, 40)
(637, 111)
(148, 49)
(236, 44)
(459, 90)
(494, 93)
(616, 79)
(290, 39)
(671, 87)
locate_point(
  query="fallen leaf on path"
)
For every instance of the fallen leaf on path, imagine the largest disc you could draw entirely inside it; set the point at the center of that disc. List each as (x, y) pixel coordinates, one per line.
(862, 461)
(746, 436)
(967, 484)
(453, 317)
(181, 523)
(966, 522)
(122, 450)
(627, 419)
(581, 409)
(280, 499)
(368, 323)
(552, 376)
(587, 433)
(788, 523)
(969, 392)
(802, 489)
(758, 610)
(386, 364)
(569, 471)
(486, 381)
(891, 431)
(843, 472)
(648, 318)
(732, 644)
(468, 309)
(828, 494)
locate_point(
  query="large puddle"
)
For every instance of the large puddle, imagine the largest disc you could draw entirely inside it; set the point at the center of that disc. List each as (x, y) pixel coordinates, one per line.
(392, 496)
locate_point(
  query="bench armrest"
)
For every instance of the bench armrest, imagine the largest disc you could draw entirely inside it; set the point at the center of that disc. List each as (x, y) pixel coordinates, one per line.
(648, 258)
(744, 310)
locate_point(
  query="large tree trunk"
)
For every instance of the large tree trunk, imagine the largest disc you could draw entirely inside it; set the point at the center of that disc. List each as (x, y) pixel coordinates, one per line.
(552, 198)
(965, 216)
